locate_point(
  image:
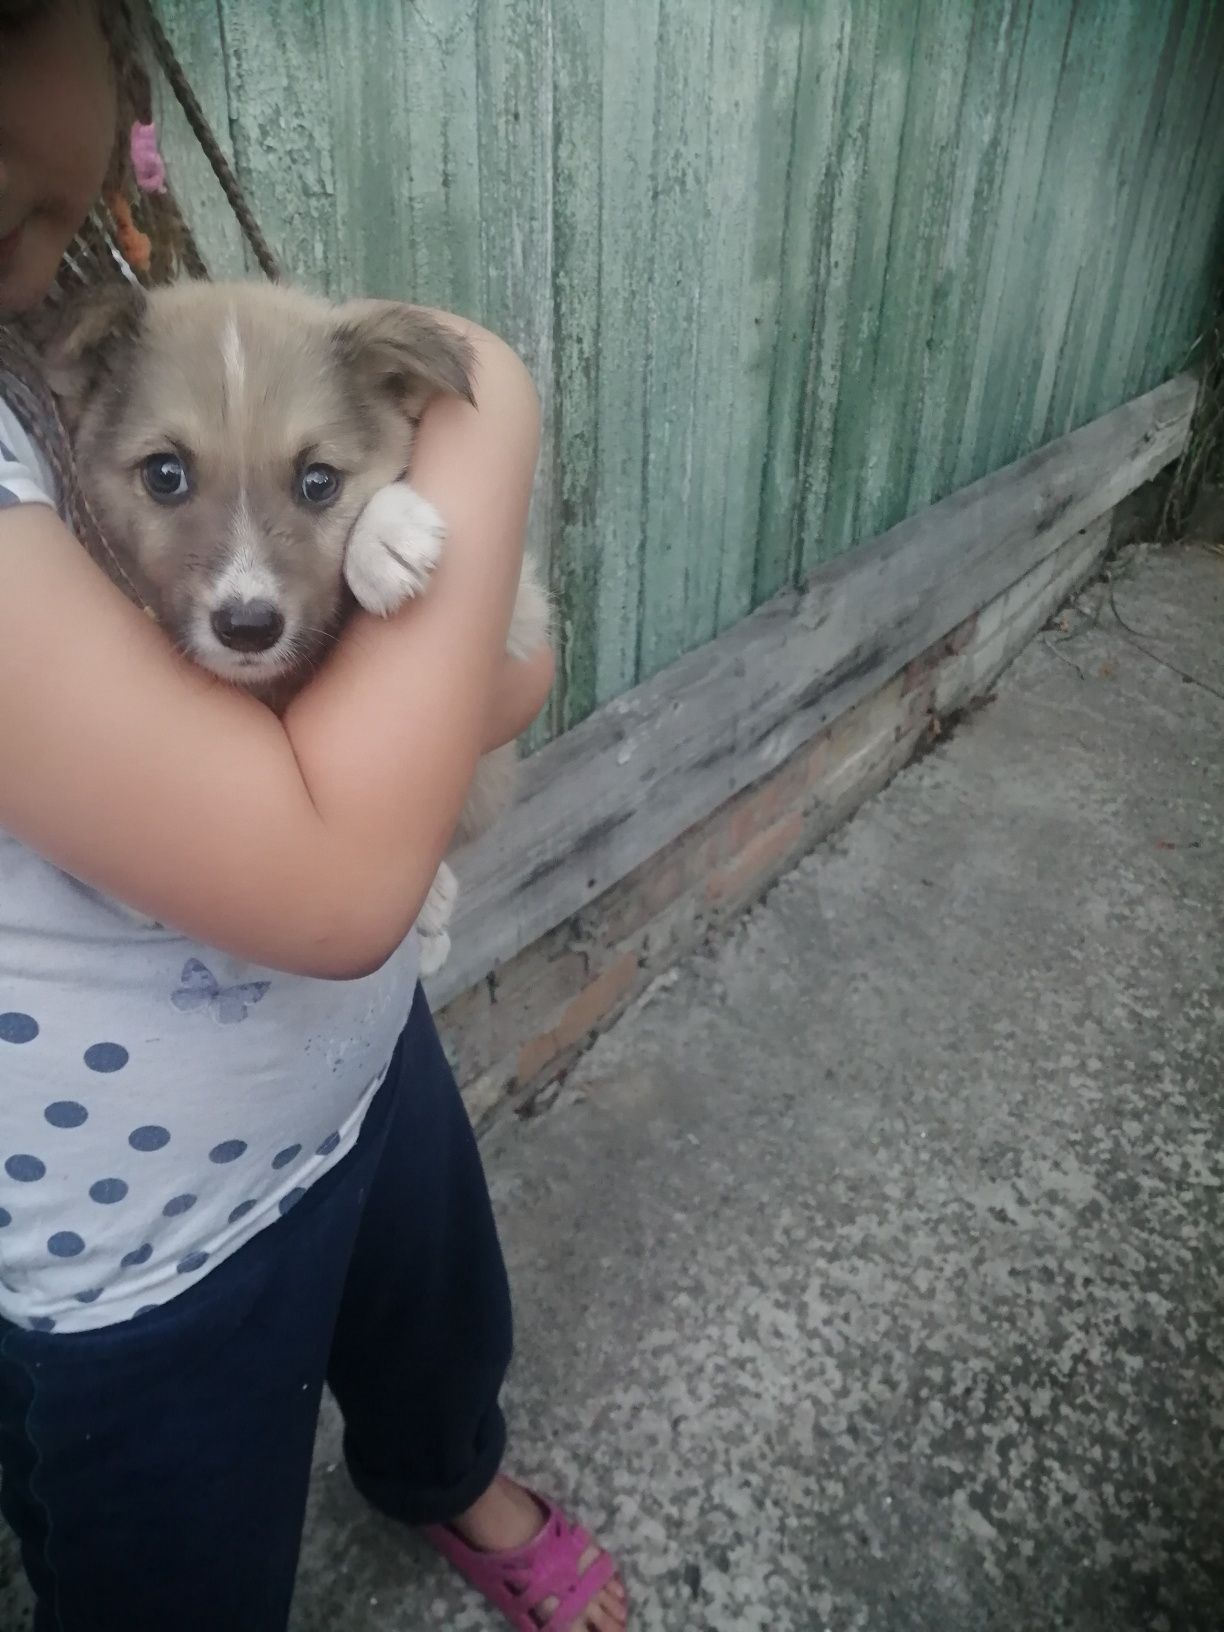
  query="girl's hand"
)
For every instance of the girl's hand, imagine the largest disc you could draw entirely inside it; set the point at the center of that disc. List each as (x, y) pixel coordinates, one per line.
(306, 844)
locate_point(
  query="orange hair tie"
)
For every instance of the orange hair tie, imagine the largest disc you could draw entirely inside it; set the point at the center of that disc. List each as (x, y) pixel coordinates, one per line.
(135, 246)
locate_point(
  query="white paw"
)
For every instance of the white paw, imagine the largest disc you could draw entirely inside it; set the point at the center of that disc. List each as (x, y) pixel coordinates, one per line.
(435, 949)
(393, 548)
(435, 916)
(439, 903)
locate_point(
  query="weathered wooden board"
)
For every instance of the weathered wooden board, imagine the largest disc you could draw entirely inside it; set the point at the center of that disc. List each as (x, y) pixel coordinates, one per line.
(787, 271)
(612, 792)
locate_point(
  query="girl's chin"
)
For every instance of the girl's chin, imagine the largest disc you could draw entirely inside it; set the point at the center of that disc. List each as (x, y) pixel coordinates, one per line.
(29, 260)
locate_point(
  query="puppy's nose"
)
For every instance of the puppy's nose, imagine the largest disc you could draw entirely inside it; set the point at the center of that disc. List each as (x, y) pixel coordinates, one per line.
(248, 626)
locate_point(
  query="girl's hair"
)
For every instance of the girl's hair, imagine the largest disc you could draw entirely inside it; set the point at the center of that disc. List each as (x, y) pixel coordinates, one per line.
(149, 227)
(135, 233)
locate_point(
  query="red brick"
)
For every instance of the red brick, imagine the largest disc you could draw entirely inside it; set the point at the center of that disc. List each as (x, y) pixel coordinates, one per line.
(581, 1016)
(756, 862)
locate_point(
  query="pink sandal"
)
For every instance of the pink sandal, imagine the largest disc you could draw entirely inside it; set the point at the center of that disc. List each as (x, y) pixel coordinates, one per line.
(519, 1581)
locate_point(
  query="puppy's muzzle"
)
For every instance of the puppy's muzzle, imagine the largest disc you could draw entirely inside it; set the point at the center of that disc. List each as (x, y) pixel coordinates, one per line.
(248, 626)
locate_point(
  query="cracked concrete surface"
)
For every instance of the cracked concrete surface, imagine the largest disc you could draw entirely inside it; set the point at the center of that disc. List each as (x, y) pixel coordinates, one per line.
(868, 1273)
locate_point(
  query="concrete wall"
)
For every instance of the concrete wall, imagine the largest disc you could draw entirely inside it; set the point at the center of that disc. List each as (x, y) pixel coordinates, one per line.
(787, 270)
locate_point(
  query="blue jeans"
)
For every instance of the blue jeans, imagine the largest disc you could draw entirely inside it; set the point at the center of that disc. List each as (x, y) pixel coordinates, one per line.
(155, 1472)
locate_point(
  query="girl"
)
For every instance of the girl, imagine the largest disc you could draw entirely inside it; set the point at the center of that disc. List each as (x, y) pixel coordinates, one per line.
(222, 1178)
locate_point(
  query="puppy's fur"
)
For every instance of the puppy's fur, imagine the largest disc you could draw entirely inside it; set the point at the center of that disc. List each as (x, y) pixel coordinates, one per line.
(243, 394)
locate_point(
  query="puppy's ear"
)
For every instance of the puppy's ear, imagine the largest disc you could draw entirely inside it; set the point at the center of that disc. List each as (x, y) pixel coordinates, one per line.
(401, 352)
(89, 336)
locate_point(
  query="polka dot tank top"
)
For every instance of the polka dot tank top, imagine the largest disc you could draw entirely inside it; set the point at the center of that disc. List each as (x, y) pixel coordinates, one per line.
(160, 1102)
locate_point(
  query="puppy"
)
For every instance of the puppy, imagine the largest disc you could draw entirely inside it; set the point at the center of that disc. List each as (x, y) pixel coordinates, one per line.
(243, 448)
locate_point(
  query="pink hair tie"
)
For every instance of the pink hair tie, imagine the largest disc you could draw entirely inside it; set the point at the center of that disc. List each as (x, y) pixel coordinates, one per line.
(147, 165)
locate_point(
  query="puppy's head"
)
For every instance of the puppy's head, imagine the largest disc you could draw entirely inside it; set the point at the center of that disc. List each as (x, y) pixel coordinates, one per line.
(228, 436)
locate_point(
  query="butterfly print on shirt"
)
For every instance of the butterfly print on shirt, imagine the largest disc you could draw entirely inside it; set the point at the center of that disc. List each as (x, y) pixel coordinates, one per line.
(200, 989)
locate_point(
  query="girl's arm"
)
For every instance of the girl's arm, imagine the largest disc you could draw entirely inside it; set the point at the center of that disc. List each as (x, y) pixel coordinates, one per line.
(308, 844)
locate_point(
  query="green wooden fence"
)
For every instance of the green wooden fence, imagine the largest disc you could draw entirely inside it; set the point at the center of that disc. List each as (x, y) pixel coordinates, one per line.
(786, 270)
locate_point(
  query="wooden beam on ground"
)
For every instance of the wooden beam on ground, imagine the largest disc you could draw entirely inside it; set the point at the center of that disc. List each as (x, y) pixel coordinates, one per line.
(606, 796)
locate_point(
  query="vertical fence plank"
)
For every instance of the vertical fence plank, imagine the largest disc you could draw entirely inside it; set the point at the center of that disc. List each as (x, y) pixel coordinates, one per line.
(372, 199)
(196, 33)
(755, 65)
(877, 206)
(1192, 271)
(960, 277)
(1077, 199)
(999, 338)
(442, 165)
(838, 227)
(676, 310)
(921, 213)
(1165, 37)
(277, 63)
(1177, 139)
(810, 255)
(630, 98)
(515, 115)
(577, 215)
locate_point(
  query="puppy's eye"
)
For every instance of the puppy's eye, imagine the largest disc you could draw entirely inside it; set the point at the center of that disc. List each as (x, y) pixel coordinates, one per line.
(319, 484)
(165, 478)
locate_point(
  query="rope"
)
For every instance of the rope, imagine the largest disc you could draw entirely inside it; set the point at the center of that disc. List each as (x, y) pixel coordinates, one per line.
(204, 134)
